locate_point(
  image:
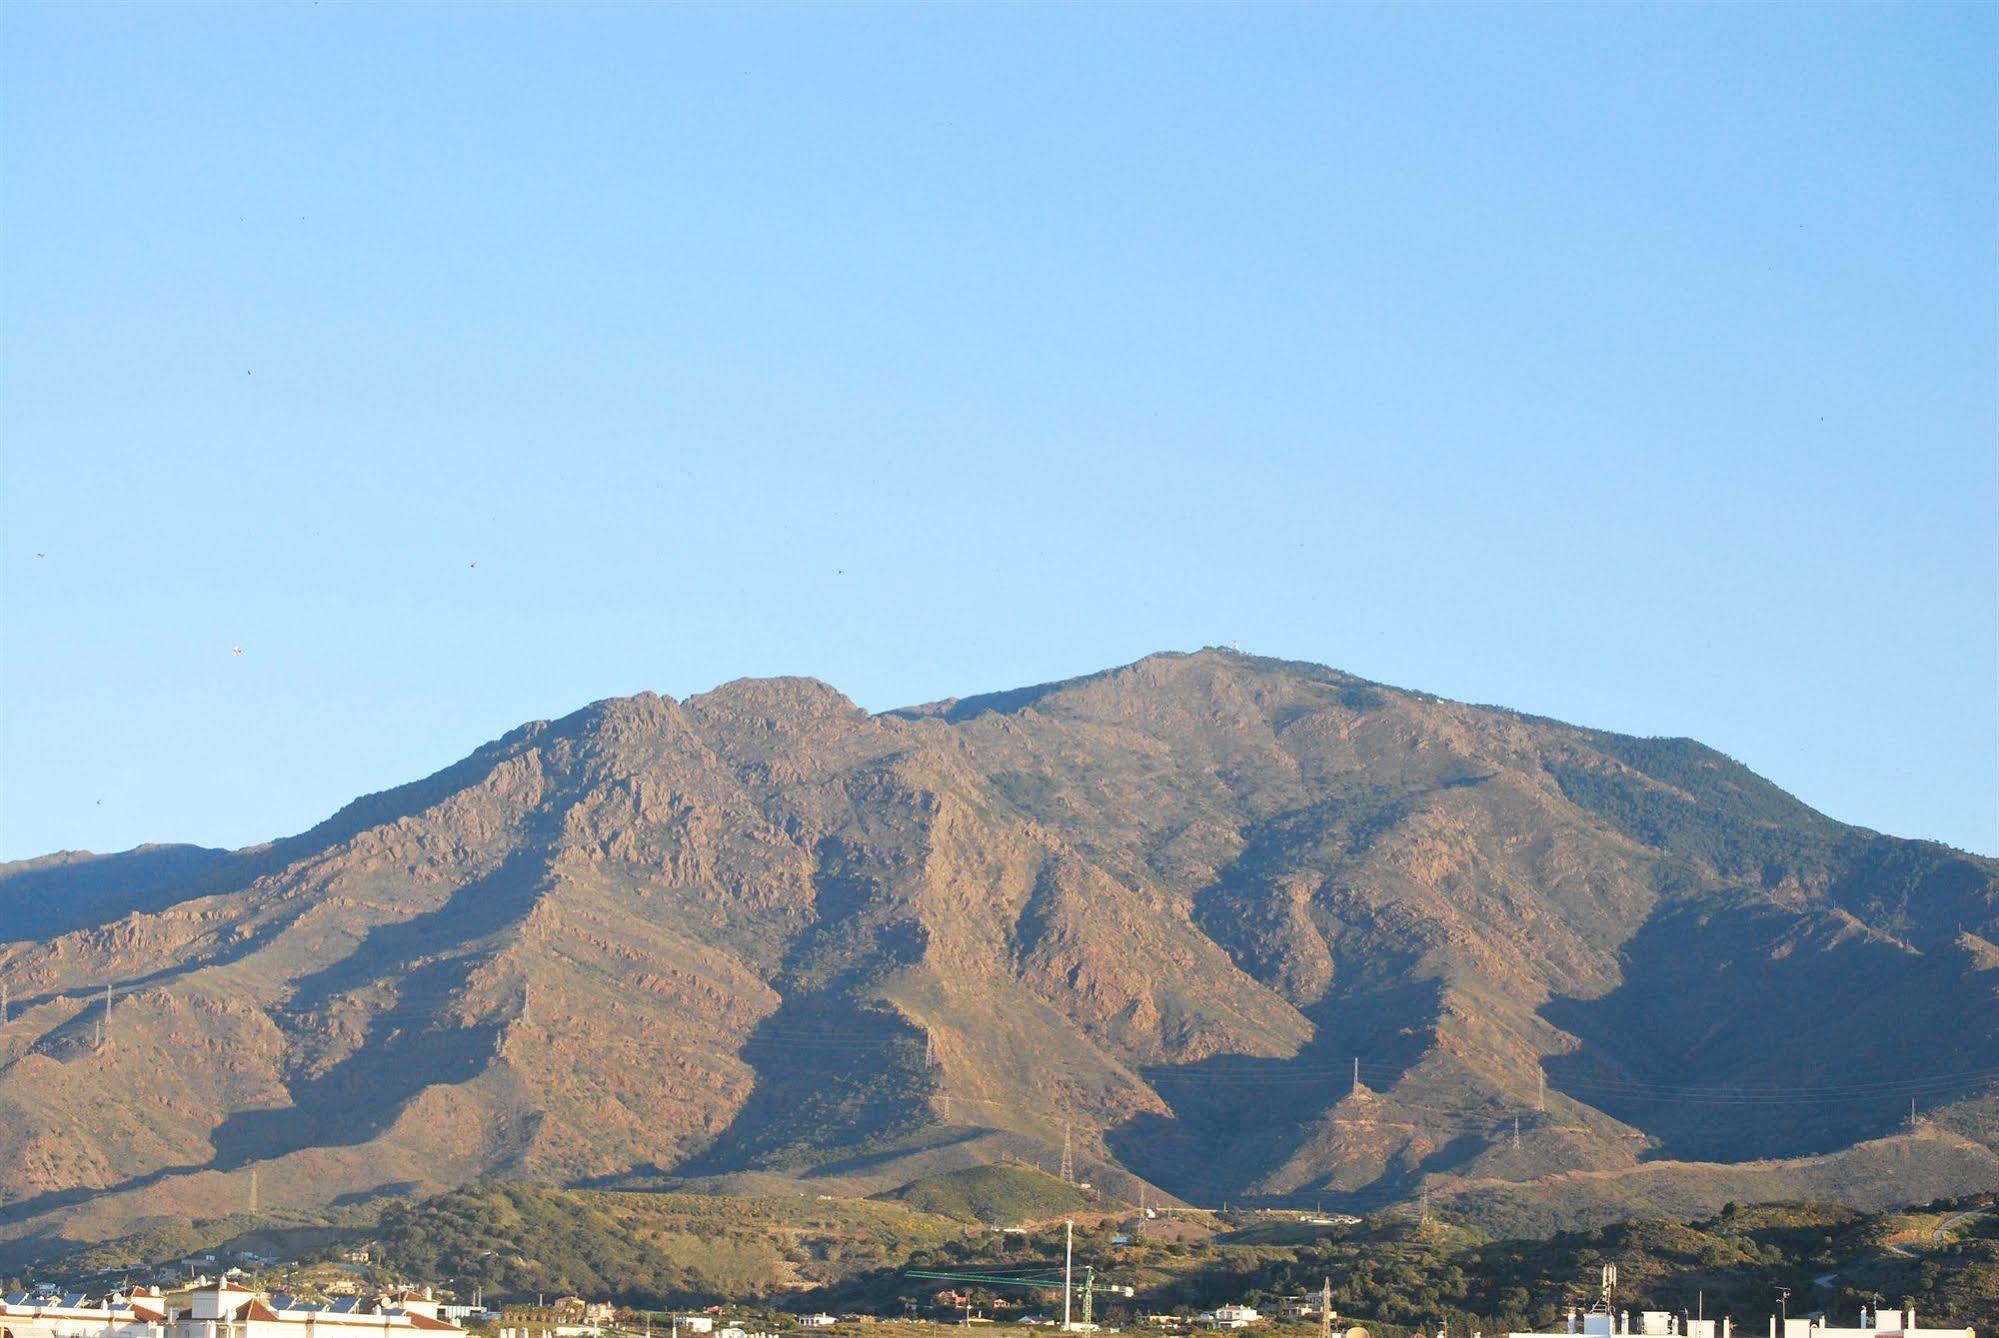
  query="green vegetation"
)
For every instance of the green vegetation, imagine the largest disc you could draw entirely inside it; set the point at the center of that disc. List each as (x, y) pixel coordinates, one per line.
(517, 1240)
(1396, 1270)
(1732, 1263)
(277, 1234)
(1691, 801)
(995, 1195)
(664, 1249)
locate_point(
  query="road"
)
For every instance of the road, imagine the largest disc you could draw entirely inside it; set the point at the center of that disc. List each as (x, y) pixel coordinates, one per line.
(1949, 1222)
(1937, 1234)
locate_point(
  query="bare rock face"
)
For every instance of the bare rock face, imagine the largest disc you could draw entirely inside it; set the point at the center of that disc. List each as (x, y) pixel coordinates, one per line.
(1164, 909)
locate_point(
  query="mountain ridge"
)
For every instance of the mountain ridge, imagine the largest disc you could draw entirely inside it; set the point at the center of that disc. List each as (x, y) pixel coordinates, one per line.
(763, 931)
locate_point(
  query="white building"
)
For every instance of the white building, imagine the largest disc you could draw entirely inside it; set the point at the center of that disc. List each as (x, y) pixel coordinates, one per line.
(209, 1310)
(74, 1315)
(1880, 1324)
(1232, 1316)
(415, 1302)
(1603, 1323)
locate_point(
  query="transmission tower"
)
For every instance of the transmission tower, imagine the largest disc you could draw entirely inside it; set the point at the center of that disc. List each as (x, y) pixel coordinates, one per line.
(1068, 1158)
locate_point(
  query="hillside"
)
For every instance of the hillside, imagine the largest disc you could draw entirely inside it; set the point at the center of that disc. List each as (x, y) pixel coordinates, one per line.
(761, 936)
(520, 1240)
(516, 1242)
(995, 1195)
(1401, 1270)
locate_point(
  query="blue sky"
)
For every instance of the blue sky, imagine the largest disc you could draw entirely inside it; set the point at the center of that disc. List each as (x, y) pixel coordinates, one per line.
(1630, 365)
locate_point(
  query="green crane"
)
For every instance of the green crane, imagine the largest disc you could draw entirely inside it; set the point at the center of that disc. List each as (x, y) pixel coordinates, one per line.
(1044, 1279)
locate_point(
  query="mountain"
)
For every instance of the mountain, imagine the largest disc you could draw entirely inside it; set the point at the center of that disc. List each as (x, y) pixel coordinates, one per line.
(1232, 927)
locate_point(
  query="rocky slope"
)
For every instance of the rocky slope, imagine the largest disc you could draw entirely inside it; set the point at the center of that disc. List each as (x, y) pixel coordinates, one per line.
(763, 933)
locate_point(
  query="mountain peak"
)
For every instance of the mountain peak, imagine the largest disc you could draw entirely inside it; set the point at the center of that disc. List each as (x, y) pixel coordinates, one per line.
(784, 694)
(1164, 668)
(1168, 906)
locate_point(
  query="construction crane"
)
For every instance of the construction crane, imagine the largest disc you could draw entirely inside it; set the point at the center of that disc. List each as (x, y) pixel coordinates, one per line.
(1043, 1277)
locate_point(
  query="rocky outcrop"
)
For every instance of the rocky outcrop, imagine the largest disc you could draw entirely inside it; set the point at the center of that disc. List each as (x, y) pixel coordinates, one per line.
(1164, 909)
